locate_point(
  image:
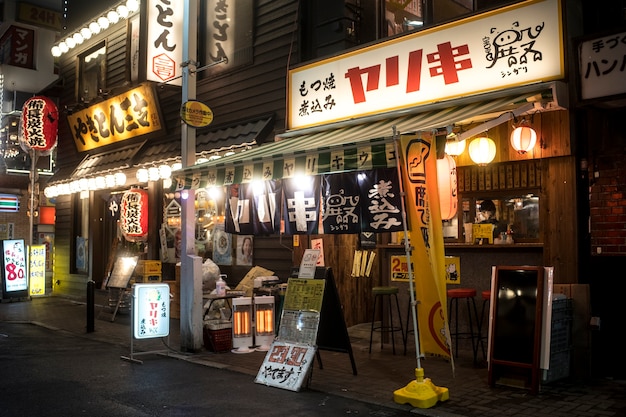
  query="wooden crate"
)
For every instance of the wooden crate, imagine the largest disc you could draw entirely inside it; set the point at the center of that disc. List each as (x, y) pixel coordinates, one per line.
(146, 267)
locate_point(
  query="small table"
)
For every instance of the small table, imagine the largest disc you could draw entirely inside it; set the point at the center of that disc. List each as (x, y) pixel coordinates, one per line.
(209, 299)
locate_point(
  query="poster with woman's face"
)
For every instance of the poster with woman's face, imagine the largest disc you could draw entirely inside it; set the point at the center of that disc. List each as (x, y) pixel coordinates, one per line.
(244, 250)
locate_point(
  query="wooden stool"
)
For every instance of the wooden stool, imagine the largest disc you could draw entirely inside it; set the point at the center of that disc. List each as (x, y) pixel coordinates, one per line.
(383, 293)
(455, 295)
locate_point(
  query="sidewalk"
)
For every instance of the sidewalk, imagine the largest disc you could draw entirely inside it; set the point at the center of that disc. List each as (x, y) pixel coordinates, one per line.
(379, 374)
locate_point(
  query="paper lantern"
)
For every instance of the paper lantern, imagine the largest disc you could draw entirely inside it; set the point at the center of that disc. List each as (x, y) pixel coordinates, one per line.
(38, 128)
(447, 182)
(134, 215)
(455, 148)
(523, 139)
(482, 150)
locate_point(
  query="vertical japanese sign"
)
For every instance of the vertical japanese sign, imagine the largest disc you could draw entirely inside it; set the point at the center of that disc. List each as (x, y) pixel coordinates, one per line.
(17, 47)
(37, 269)
(516, 45)
(427, 257)
(165, 41)
(14, 273)
(151, 310)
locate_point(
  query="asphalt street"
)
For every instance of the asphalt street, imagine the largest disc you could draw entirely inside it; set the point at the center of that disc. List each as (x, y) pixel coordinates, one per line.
(55, 373)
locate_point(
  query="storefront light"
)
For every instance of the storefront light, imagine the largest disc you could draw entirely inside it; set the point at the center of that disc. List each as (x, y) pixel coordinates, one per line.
(176, 165)
(132, 5)
(91, 184)
(167, 183)
(70, 42)
(103, 22)
(94, 27)
(109, 179)
(113, 17)
(86, 32)
(65, 189)
(55, 51)
(50, 192)
(120, 179)
(153, 174)
(122, 11)
(78, 38)
(523, 139)
(142, 175)
(100, 182)
(482, 150)
(165, 171)
(63, 47)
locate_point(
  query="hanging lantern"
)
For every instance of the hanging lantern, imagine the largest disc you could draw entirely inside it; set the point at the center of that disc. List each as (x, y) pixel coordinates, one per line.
(38, 128)
(523, 139)
(446, 179)
(455, 148)
(134, 215)
(482, 150)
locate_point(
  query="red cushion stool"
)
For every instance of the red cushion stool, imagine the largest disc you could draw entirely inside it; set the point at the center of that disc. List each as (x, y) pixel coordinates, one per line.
(467, 294)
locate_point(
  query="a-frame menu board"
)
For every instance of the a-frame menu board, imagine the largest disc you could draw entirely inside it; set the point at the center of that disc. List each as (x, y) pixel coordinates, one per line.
(516, 326)
(332, 333)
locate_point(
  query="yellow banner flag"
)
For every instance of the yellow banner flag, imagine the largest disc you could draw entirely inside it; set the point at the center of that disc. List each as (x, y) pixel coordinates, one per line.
(419, 175)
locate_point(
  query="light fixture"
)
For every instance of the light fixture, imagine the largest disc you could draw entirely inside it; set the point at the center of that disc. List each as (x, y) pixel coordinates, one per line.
(264, 330)
(523, 138)
(120, 179)
(142, 175)
(165, 171)
(242, 325)
(450, 132)
(455, 148)
(153, 174)
(482, 150)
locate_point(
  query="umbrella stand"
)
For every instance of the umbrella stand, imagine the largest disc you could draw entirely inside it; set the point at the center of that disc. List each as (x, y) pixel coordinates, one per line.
(421, 392)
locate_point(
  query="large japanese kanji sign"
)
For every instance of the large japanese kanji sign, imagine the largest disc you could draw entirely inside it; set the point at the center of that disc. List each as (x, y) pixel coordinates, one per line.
(516, 45)
(122, 117)
(165, 41)
(39, 124)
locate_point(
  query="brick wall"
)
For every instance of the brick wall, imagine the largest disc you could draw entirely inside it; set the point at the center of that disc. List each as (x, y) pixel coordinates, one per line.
(608, 204)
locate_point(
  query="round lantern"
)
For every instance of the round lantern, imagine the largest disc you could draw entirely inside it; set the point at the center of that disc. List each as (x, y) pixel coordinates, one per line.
(455, 148)
(38, 127)
(134, 215)
(482, 150)
(523, 139)
(447, 184)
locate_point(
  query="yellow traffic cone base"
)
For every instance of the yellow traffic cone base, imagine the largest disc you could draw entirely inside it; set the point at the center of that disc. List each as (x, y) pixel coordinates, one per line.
(421, 392)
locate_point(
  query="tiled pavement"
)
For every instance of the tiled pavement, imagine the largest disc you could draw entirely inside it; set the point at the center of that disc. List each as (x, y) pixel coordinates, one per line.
(379, 374)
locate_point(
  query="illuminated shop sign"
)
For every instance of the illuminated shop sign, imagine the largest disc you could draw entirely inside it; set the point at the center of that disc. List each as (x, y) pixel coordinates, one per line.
(122, 117)
(513, 46)
(165, 41)
(151, 310)
(39, 124)
(14, 266)
(134, 215)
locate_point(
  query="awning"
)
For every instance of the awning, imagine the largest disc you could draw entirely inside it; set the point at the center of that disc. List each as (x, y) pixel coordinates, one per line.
(359, 146)
(146, 153)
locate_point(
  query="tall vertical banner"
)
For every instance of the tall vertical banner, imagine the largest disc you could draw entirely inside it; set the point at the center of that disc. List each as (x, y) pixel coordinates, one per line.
(428, 259)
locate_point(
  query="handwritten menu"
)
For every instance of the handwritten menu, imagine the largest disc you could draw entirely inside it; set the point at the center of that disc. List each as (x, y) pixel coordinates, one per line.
(304, 294)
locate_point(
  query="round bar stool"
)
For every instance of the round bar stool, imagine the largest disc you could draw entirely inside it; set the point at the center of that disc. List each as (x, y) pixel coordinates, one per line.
(390, 294)
(486, 297)
(468, 295)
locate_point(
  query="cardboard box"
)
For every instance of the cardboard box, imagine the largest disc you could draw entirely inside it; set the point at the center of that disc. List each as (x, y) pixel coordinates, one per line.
(148, 267)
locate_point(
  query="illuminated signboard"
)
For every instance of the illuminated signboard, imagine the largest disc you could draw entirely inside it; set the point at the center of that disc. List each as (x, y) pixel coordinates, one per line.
(151, 310)
(9, 203)
(122, 117)
(14, 276)
(37, 269)
(165, 42)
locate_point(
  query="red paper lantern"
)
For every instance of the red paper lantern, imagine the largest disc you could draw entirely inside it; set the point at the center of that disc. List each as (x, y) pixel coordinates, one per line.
(38, 128)
(134, 215)
(447, 184)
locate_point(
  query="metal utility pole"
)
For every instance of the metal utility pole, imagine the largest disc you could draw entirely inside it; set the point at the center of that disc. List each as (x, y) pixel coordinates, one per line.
(190, 264)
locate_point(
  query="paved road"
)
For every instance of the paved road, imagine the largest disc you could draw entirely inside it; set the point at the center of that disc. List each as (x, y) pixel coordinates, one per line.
(55, 373)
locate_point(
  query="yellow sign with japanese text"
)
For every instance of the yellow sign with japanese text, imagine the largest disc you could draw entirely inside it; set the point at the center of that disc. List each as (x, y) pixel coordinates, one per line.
(126, 116)
(419, 174)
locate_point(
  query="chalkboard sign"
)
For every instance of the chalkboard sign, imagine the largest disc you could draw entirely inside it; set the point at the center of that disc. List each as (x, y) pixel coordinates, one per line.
(516, 325)
(122, 271)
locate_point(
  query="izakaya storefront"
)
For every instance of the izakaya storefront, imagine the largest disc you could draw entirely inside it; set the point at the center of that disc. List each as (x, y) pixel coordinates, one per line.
(358, 121)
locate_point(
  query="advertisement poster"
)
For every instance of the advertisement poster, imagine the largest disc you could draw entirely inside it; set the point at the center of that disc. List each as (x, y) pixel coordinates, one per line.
(14, 267)
(37, 269)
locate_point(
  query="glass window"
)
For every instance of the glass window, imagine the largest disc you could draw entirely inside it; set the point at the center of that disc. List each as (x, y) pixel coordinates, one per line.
(515, 215)
(92, 73)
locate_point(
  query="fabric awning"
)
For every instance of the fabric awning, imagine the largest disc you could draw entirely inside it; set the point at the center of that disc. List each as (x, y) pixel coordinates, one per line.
(360, 146)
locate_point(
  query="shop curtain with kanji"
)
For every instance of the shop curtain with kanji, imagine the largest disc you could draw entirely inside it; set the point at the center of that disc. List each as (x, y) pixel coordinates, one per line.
(301, 204)
(253, 209)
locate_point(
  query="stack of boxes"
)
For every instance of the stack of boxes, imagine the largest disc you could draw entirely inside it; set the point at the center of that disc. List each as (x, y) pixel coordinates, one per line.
(147, 272)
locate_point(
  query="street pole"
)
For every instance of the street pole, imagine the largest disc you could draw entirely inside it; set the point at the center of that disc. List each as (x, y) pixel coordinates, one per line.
(190, 264)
